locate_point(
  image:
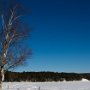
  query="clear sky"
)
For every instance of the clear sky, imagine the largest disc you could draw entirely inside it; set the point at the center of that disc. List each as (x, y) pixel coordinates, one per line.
(60, 38)
(60, 35)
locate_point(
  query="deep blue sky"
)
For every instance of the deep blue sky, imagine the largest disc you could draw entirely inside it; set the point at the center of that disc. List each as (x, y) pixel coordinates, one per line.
(60, 35)
(60, 38)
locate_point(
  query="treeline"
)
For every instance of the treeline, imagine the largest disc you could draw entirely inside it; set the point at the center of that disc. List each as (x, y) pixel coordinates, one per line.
(44, 76)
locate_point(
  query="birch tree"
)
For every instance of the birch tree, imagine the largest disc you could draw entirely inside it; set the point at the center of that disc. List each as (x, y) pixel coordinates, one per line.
(13, 49)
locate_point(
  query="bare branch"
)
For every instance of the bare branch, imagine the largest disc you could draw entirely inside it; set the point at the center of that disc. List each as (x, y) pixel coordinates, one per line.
(13, 49)
(3, 24)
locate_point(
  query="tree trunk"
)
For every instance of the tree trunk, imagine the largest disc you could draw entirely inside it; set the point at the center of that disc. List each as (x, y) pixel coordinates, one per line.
(2, 74)
(0, 85)
(0, 80)
(1, 77)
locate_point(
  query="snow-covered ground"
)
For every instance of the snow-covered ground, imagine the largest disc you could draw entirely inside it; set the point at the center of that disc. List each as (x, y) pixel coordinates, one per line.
(74, 85)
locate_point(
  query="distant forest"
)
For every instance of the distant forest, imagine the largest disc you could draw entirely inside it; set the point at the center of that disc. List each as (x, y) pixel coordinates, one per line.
(44, 76)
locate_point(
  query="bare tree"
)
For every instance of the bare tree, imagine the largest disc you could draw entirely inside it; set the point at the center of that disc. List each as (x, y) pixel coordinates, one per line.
(13, 49)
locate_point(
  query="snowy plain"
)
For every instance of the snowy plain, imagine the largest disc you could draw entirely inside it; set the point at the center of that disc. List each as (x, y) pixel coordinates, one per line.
(70, 85)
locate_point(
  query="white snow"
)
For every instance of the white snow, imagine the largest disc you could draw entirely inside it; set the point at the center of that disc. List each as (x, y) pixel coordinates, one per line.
(84, 80)
(74, 85)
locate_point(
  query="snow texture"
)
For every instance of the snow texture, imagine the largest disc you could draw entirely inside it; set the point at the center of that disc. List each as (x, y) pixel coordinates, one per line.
(74, 85)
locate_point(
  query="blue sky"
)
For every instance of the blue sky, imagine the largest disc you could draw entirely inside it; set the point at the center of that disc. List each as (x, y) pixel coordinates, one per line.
(60, 38)
(60, 35)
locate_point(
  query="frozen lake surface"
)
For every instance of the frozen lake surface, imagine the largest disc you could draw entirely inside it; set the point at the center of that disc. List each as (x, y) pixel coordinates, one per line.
(71, 85)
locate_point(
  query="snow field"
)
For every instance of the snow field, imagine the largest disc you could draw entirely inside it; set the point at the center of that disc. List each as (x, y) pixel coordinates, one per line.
(74, 85)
